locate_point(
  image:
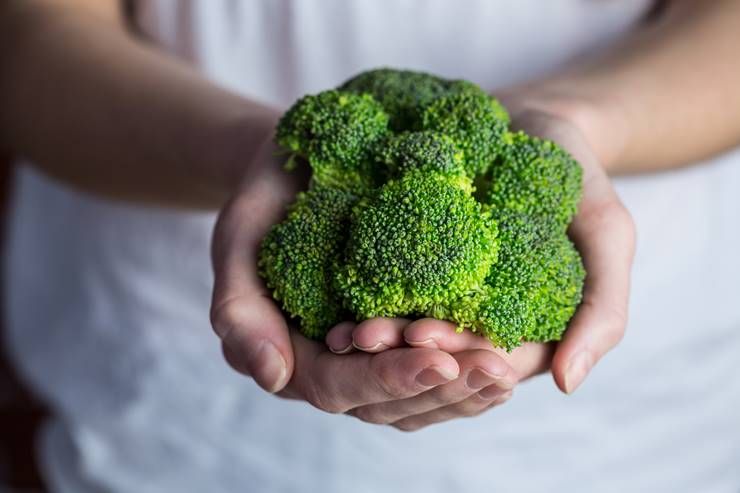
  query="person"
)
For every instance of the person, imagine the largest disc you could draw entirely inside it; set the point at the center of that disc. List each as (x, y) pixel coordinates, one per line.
(132, 133)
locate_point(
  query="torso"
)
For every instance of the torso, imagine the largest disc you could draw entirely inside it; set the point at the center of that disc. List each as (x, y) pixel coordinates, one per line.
(122, 293)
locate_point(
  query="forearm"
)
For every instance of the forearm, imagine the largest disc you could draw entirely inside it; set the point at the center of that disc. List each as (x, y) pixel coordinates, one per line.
(94, 106)
(667, 96)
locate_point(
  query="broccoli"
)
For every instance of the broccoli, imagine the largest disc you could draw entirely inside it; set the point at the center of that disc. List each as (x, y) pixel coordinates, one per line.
(298, 257)
(422, 203)
(475, 121)
(426, 151)
(337, 133)
(536, 177)
(422, 241)
(403, 93)
(534, 288)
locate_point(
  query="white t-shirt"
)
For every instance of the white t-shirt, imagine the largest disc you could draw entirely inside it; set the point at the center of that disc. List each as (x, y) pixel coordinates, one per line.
(107, 303)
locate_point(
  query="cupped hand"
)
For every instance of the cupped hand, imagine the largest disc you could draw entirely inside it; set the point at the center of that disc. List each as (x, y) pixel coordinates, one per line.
(604, 234)
(485, 378)
(258, 341)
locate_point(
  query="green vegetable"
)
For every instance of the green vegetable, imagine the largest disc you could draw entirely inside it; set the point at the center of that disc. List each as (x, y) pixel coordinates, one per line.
(426, 151)
(299, 257)
(337, 133)
(392, 224)
(475, 121)
(535, 177)
(422, 242)
(402, 93)
(534, 288)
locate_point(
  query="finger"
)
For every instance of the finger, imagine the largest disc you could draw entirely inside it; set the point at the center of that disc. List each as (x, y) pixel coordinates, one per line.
(440, 334)
(479, 369)
(242, 311)
(470, 407)
(378, 334)
(527, 360)
(604, 234)
(339, 338)
(337, 383)
(530, 359)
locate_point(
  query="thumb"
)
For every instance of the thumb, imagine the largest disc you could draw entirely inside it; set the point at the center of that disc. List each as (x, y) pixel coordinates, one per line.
(252, 329)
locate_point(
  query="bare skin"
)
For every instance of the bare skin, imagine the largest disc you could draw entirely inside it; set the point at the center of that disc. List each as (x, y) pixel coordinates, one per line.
(125, 120)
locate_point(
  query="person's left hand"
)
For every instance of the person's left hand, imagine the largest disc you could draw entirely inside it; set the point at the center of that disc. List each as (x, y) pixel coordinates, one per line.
(471, 394)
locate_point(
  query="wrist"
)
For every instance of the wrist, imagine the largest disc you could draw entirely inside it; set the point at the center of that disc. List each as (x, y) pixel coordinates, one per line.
(235, 145)
(599, 119)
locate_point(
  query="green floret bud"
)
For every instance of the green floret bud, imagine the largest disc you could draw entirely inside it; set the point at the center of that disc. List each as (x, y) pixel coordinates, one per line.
(403, 93)
(420, 243)
(534, 288)
(505, 317)
(337, 133)
(535, 177)
(474, 120)
(298, 258)
(424, 151)
(560, 288)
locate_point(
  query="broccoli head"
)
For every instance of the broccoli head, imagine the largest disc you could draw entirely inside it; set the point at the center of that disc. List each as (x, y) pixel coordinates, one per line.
(299, 256)
(403, 93)
(534, 288)
(392, 223)
(422, 241)
(560, 287)
(535, 177)
(425, 151)
(475, 121)
(337, 133)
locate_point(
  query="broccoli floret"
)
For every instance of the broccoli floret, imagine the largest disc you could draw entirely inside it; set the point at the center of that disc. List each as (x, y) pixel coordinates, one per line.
(460, 109)
(534, 288)
(403, 93)
(337, 133)
(475, 121)
(560, 287)
(425, 151)
(299, 256)
(535, 177)
(423, 241)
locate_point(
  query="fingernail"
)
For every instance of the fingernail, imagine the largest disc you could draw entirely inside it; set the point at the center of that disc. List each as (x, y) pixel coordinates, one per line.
(577, 369)
(372, 349)
(267, 366)
(344, 350)
(433, 376)
(477, 379)
(491, 392)
(428, 343)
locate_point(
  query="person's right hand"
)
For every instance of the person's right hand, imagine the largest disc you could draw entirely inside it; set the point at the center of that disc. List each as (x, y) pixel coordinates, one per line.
(257, 340)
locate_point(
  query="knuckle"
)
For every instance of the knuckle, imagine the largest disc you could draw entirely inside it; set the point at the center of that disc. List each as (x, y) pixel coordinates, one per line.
(225, 316)
(441, 396)
(471, 406)
(369, 414)
(614, 330)
(612, 326)
(406, 426)
(321, 399)
(388, 382)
